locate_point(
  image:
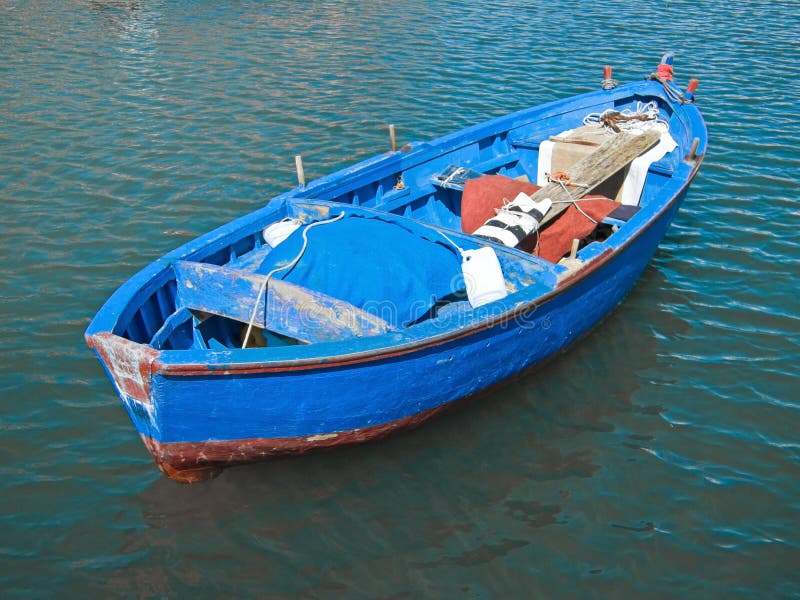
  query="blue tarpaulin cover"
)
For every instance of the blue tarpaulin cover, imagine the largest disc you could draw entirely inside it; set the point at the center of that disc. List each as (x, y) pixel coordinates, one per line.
(382, 267)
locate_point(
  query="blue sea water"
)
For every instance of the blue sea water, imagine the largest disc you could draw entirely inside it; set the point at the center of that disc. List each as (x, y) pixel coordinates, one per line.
(658, 458)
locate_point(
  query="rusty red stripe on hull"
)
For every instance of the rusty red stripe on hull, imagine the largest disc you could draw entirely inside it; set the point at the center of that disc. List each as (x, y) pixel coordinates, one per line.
(189, 462)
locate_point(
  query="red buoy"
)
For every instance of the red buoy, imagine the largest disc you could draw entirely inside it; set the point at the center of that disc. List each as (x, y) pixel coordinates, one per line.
(665, 71)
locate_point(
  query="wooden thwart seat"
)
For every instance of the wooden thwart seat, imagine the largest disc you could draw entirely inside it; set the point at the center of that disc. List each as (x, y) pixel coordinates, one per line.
(288, 309)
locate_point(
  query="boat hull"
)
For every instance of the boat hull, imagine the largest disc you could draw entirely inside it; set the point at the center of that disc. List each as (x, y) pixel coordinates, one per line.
(202, 406)
(196, 421)
(190, 462)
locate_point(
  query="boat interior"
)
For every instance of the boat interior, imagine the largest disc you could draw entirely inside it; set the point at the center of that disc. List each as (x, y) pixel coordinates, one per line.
(381, 245)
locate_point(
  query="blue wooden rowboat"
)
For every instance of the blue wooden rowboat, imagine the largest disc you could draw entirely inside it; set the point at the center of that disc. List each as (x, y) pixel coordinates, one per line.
(356, 320)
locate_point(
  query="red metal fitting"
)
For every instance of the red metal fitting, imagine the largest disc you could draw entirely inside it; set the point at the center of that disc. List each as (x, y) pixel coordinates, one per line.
(607, 72)
(693, 83)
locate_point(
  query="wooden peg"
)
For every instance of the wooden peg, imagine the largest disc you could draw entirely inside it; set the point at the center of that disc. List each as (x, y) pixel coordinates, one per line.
(301, 176)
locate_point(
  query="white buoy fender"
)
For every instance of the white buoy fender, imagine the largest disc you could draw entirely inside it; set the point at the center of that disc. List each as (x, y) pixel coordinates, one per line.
(483, 276)
(276, 232)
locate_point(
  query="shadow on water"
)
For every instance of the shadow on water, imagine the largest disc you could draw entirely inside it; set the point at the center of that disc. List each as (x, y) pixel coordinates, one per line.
(110, 7)
(484, 481)
(122, 15)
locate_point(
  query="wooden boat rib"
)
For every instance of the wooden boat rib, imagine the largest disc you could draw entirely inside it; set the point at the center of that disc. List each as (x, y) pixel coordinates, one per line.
(362, 321)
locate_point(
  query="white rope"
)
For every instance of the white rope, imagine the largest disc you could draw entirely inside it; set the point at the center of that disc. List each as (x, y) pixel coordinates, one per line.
(609, 83)
(453, 175)
(577, 200)
(289, 265)
(452, 243)
(648, 109)
(674, 93)
(580, 210)
(573, 201)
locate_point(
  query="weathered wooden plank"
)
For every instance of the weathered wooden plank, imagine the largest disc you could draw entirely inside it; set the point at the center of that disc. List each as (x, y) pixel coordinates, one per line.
(291, 310)
(595, 168)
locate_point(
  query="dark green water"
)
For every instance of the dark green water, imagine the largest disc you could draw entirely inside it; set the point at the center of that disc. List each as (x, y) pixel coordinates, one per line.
(659, 458)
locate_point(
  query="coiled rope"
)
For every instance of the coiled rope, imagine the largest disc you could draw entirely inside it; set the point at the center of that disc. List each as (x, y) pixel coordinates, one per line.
(645, 115)
(671, 90)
